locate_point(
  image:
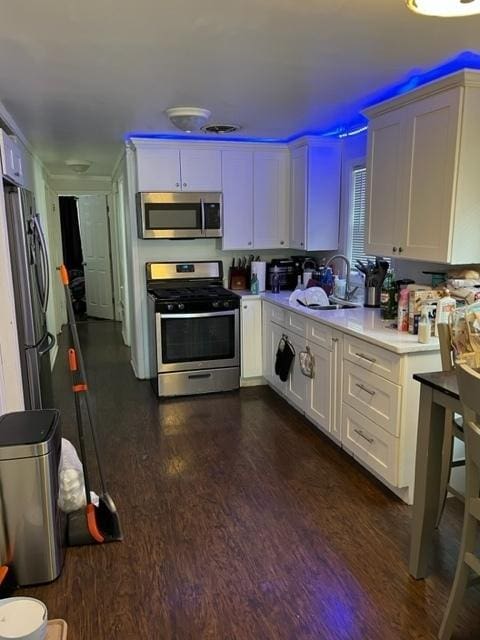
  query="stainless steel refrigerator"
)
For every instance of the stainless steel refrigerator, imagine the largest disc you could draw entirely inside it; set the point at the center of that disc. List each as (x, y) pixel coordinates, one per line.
(31, 281)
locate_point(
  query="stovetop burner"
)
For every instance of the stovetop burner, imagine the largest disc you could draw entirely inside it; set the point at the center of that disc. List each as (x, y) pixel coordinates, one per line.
(190, 293)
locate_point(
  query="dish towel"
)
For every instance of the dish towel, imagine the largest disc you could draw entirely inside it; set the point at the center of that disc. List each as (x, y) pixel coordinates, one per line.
(284, 358)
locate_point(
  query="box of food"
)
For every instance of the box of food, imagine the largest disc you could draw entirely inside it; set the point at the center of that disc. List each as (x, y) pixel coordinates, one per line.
(419, 297)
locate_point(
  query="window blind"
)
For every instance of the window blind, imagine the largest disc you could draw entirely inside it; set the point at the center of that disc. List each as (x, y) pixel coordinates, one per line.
(359, 183)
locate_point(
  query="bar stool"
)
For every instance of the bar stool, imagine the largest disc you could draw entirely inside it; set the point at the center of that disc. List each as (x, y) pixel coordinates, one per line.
(469, 388)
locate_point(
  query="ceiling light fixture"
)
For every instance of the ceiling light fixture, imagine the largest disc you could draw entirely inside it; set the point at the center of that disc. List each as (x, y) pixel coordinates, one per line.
(78, 166)
(445, 8)
(188, 119)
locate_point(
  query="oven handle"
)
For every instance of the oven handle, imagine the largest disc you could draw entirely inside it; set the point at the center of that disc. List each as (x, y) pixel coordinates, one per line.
(198, 315)
(202, 205)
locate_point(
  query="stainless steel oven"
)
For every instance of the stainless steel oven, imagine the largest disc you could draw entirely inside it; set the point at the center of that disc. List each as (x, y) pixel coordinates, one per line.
(179, 215)
(196, 329)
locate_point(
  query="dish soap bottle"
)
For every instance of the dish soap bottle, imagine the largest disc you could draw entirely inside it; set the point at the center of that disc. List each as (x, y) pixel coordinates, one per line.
(254, 287)
(275, 280)
(424, 326)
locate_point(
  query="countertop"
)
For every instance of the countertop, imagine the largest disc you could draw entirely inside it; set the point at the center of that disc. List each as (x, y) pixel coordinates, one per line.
(359, 322)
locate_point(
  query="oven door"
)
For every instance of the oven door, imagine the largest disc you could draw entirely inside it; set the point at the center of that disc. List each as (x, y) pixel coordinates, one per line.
(191, 341)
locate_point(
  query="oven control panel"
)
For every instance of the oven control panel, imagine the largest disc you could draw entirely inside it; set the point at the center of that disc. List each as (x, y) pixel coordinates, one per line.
(198, 306)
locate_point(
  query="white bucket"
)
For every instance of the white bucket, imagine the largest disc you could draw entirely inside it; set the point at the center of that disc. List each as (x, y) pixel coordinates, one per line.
(23, 619)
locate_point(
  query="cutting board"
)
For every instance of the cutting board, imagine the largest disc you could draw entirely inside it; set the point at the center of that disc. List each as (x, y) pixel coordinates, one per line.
(56, 630)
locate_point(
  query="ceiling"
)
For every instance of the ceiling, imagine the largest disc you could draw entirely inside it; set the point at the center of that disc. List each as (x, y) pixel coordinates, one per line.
(79, 76)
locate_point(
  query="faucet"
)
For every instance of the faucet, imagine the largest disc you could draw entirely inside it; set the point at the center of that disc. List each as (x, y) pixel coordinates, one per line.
(349, 293)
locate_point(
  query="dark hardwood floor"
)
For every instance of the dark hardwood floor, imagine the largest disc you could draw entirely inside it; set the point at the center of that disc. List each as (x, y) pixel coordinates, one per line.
(241, 522)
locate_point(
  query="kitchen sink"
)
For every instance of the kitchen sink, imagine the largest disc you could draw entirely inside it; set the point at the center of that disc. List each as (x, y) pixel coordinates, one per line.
(333, 306)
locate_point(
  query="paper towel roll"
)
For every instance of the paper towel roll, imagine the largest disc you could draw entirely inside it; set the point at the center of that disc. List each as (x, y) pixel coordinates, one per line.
(260, 268)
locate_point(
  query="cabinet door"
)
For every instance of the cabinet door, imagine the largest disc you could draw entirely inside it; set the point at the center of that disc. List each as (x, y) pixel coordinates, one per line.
(297, 383)
(237, 181)
(385, 183)
(431, 160)
(270, 199)
(201, 169)
(323, 197)
(272, 336)
(12, 165)
(299, 201)
(158, 169)
(320, 393)
(251, 338)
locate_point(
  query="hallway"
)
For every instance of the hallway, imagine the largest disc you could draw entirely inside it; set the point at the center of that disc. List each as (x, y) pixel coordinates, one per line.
(241, 522)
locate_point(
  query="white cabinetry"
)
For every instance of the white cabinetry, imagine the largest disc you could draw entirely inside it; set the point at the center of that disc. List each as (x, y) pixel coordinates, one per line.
(12, 160)
(313, 396)
(237, 180)
(315, 196)
(166, 167)
(251, 338)
(270, 199)
(255, 198)
(423, 191)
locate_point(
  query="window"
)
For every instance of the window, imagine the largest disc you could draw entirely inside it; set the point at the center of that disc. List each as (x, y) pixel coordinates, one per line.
(357, 215)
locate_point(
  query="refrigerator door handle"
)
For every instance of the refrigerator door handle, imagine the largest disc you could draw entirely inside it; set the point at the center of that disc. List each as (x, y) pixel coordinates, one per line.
(44, 258)
(50, 344)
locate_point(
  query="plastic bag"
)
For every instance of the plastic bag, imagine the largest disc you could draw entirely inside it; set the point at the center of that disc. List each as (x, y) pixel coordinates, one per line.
(284, 358)
(71, 495)
(307, 363)
(464, 325)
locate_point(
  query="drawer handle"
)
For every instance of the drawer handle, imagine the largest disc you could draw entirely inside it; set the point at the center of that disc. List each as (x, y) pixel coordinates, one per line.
(364, 357)
(362, 435)
(363, 388)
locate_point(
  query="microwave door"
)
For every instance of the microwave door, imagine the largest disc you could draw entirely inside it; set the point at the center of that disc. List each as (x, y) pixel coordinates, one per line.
(173, 220)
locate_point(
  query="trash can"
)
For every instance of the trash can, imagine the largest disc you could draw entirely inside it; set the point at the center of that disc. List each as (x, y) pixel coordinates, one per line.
(32, 538)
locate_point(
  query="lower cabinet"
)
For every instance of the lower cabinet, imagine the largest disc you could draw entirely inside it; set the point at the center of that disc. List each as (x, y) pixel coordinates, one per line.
(362, 395)
(251, 338)
(312, 396)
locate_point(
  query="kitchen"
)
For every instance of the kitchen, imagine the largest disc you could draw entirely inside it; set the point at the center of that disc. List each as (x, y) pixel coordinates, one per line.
(260, 173)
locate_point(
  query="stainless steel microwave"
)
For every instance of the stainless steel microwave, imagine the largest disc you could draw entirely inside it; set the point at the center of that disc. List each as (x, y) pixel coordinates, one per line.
(179, 215)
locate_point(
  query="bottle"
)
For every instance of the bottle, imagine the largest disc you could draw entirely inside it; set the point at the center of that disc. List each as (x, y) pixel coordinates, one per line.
(299, 283)
(388, 297)
(402, 313)
(275, 280)
(445, 306)
(424, 326)
(254, 287)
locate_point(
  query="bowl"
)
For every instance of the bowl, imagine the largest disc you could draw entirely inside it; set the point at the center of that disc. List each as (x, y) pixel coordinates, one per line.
(23, 618)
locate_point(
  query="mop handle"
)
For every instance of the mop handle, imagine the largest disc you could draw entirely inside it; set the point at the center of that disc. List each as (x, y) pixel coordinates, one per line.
(81, 369)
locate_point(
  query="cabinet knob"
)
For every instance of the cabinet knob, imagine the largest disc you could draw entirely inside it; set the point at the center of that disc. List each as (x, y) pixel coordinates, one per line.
(394, 249)
(184, 184)
(301, 244)
(177, 184)
(400, 249)
(282, 242)
(250, 243)
(245, 306)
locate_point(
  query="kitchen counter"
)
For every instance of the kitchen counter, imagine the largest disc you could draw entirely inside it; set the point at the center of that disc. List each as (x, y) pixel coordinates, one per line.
(360, 322)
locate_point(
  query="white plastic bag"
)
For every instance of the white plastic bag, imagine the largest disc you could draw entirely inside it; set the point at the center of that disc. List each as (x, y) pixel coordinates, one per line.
(71, 494)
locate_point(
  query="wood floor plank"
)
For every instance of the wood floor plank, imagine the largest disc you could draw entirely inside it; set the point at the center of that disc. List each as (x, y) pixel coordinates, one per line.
(241, 522)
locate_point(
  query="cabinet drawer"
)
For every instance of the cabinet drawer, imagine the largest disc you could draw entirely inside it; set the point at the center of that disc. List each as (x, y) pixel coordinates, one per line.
(371, 444)
(296, 323)
(320, 334)
(375, 397)
(275, 314)
(375, 359)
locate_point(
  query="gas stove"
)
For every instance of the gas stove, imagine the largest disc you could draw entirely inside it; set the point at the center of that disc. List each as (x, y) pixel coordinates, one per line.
(194, 322)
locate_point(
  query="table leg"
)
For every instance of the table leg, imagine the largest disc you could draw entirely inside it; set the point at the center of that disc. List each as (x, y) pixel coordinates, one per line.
(428, 464)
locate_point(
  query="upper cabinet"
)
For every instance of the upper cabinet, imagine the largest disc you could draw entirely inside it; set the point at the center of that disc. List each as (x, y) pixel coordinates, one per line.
(163, 167)
(423, 188)
(315, 196)
(12, 158)
(255, 198)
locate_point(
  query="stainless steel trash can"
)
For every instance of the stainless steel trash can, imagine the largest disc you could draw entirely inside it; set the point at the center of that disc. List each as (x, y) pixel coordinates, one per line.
(33, 527)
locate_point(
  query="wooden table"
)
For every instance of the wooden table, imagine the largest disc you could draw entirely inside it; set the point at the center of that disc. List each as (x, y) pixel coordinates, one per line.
(438, 392)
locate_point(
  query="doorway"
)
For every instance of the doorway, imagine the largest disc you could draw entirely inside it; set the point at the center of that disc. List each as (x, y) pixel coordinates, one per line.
(87, 254)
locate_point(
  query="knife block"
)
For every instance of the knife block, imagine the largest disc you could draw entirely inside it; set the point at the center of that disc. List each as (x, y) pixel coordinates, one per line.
(237, 279)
